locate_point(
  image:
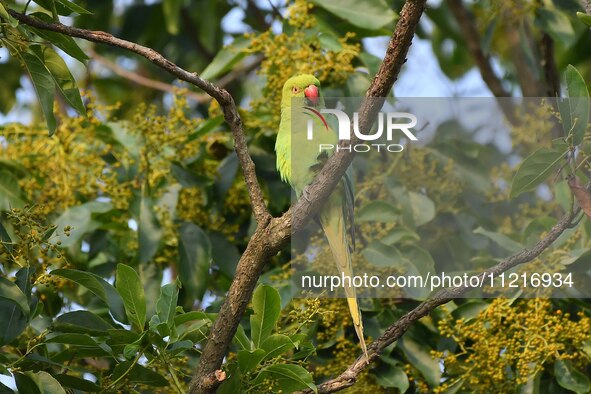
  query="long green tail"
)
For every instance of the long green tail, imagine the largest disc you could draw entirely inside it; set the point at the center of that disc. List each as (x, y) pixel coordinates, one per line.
(332, 221)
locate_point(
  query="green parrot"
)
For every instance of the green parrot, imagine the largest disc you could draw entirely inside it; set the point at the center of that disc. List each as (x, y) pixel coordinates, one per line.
(337, 212)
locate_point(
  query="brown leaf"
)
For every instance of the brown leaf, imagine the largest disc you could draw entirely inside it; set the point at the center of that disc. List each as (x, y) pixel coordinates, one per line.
(581, 194)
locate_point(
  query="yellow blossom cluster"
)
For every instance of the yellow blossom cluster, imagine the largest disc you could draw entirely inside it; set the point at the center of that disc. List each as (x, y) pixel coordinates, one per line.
(344, 354)
(296, 52)
(508, 343)
(34, 245)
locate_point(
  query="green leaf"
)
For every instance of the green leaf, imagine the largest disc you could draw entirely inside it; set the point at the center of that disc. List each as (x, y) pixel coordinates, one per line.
(44, 87)
(382, 255)
(290, 377)
(241, 339)
(149, 231)
(248, 360)
(180, 347)
(224, 254)
(399, 234)
(570, 378)
(420, 357)
(83, 322)
(470, 310)
(63, 7)
(130, 288)
(267, 307)
(585, 18)
(500, 239)
(188, 178)
(276, 345)
(172, 10)
(3, 13)
(393, 377)
(73, 339)
(226, 173)
(11, 292)
(226, 58)
(13, 321)
(3, 388)
(209, 125)
(377, 211)
(166, 303)
(74, 7)
(74, 382)
(423, 208)
(574, 110)
(195, 331)
(10, 193)
(151, 277)
(232, 384)
(139, 374)
(5, 241)
(192, 316)
(37, 382)
(99, 287)
(80, 219)
(367, 14)
(194, 259)
(63, 42)
(534, 170)
(25, 384)
(556, 24)
(61, 75)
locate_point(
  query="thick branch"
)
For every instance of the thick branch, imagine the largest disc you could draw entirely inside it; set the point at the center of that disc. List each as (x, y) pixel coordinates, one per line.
(222, 96)
(267, 241)
(396, 330)
(270, 235)
(335, 167)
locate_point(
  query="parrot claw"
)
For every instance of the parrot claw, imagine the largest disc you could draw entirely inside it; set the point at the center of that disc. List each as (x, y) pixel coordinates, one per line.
(306, 194)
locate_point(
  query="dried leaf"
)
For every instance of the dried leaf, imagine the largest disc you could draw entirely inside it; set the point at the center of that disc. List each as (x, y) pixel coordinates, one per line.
(581, 194)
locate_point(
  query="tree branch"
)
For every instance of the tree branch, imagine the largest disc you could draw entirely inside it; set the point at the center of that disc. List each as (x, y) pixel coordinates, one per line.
(335, 167)
(551, 74)
(144, 81)
(472, 37)
(271, 234)
(222, 96)
(267, 241)
(397, 330)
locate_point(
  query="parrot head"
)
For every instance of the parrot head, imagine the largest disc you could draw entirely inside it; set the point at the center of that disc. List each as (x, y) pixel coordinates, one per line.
(301, 86)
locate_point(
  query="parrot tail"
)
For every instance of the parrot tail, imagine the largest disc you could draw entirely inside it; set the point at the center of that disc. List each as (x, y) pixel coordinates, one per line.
(335, 232)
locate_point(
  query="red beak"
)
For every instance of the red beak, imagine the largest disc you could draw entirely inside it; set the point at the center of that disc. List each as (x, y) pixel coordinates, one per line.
(311, 93)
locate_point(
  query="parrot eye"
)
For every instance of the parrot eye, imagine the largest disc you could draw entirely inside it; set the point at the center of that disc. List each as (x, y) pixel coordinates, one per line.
(295, 89)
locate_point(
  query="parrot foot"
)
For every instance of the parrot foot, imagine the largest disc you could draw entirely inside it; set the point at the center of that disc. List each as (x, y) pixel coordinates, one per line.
(306, 194)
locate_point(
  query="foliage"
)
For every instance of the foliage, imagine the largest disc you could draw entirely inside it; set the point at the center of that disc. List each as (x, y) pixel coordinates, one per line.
(123, 211)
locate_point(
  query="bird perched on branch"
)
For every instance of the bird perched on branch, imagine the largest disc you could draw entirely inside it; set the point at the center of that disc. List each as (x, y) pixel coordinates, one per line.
(298, 164)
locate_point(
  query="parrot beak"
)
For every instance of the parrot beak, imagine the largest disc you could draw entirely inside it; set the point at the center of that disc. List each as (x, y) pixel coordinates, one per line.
(311, 93)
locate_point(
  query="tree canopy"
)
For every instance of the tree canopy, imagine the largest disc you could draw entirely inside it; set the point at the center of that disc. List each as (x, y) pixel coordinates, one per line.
(144, 228)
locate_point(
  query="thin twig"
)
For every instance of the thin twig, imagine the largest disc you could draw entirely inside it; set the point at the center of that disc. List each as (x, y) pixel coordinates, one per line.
(145, 81)
(397, 330)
